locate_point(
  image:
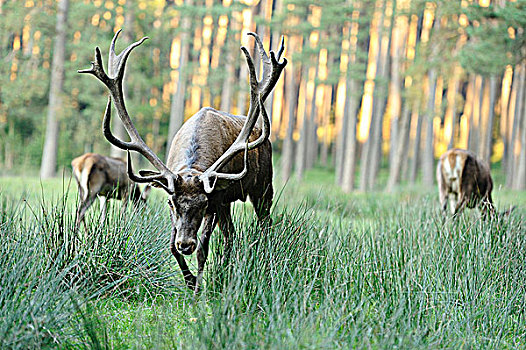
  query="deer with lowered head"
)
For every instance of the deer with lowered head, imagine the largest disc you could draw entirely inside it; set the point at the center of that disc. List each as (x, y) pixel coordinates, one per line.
(464, 180)
(215, 158)
(105, 178)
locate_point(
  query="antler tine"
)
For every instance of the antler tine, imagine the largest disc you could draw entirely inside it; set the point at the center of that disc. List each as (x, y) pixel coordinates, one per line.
(281, 47)
(113, 81)
(117, 63)
(271, 67)
(264, 57)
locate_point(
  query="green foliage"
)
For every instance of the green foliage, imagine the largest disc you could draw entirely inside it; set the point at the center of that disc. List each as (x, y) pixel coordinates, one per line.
(491, 46)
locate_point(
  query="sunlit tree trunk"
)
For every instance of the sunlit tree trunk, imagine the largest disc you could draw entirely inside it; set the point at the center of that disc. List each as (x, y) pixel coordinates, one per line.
(428, 154)
(325, 119)
(292, 87)
(474, 124)
(301, 151)
(401, 148)
(367, 159)
(488, 143)
(312, 132)
(520, 177)
(395, 99)
(512, 108)
(178, 98)
(505, 101)
(413, 168)
(452, 108)
(350, 151)
(517, 149)
(49, 154)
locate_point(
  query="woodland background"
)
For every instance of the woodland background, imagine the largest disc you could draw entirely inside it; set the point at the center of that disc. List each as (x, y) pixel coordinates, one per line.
(370, 85)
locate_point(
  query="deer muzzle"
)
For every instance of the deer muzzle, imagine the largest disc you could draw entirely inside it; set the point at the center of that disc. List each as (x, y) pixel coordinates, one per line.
(186, 246)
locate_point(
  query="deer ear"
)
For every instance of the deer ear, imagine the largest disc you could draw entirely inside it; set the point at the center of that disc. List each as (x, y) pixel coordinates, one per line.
(148, 173)
(157, 183)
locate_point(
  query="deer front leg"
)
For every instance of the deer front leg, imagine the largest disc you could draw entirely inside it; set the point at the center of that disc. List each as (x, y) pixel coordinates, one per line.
(188, 277)
(227, 228)
(461, 203)
(202, 250)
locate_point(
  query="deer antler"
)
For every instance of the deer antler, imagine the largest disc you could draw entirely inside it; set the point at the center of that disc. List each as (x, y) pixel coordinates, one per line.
(113, 81)
(259, 90)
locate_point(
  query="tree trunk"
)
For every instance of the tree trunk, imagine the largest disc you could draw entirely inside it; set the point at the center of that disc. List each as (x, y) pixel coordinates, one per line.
(516, 162)
(519, 102)
(350, 113)
(312, 134)
(49, 154)
(428, 155)
(491, 118)
(395, 99)
(379, 105)
(520, 177)
(474, 125)
(401, 149)
(366, 161)
(326, 119)
(287, 157)
(452, 107)
(177, 106)
(413, 169)
(301, 152)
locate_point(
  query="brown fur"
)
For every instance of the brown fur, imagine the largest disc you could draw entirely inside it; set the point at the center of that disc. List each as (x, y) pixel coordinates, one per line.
(464, 180)
(197, 145)
(103, 177)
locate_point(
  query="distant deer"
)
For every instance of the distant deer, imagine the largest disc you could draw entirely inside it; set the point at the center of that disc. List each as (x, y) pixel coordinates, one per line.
(464, 180)
(209, 142)
(103, 177)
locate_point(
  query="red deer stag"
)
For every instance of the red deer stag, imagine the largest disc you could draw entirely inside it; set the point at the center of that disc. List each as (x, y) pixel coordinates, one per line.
(464, 180)
(103, 177)
(209, 142)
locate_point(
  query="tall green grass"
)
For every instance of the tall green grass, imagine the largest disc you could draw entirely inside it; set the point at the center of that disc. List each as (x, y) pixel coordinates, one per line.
(49, 268)
(407, 281)
(331, 271)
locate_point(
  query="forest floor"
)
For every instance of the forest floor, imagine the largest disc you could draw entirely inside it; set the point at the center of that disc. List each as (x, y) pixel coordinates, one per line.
(334, 270)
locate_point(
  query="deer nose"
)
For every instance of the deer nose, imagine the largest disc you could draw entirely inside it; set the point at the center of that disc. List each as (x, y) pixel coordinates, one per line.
(185, 247)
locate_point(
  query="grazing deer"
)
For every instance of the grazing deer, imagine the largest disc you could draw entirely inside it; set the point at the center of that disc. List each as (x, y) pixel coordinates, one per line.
(209, 142)
(103, 177)
(464, 180)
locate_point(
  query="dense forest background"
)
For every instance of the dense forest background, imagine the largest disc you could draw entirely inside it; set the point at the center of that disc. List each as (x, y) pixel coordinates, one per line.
(370, 84)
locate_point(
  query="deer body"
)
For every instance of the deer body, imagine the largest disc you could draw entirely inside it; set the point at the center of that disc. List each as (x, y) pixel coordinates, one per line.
(207, 169)
(206, 135)
(465, 181)
(105, 178)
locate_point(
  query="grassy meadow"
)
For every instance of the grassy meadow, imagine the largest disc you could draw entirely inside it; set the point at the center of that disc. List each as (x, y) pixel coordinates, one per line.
(371, 270)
